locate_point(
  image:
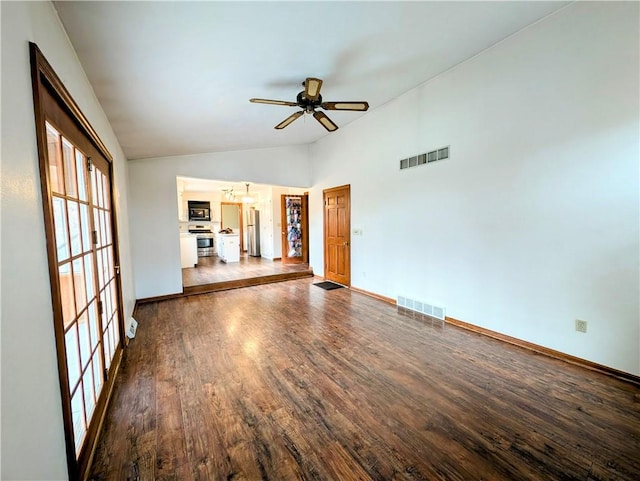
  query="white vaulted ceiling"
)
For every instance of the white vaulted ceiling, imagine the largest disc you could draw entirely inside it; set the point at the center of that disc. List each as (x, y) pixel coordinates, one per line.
(176, 77)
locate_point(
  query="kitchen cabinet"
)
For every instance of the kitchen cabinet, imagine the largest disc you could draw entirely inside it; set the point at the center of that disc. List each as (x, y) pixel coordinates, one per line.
(188, 250)
(228, 247)
(215, 211)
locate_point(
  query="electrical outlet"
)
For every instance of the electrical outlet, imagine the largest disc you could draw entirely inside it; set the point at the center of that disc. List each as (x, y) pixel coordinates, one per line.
(581, 326)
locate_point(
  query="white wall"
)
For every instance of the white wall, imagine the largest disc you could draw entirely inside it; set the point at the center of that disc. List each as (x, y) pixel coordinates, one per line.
(276, 225)
(533, 222)
(32, 432)
(153, 203)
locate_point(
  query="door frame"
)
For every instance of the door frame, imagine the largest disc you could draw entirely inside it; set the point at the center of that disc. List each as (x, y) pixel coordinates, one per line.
(324, 227)
(47, 85)
(304, 228)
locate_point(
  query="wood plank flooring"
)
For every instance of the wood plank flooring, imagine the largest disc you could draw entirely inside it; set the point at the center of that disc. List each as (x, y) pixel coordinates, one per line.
(289, 381)
(212, 270)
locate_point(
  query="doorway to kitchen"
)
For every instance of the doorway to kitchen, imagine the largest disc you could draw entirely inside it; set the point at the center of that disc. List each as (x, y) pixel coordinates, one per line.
(249, 215)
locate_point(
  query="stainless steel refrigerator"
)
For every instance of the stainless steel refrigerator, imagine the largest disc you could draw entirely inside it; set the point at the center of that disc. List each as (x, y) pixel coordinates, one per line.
(253, 232)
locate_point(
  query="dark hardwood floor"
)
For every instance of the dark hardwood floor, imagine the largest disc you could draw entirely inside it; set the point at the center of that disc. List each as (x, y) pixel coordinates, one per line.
(289, 381)
(212, 270)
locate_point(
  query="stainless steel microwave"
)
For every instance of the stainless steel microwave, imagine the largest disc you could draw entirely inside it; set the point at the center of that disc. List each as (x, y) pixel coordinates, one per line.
(199, 210)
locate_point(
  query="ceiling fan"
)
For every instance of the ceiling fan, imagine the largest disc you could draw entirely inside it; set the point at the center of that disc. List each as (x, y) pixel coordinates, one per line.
(309, 100)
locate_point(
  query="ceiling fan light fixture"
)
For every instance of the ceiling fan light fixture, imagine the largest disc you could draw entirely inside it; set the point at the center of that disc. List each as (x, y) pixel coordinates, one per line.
(309, 100)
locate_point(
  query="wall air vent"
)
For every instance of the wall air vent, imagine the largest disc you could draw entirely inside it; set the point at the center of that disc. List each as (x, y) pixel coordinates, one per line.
(422, 307)
(426, 158)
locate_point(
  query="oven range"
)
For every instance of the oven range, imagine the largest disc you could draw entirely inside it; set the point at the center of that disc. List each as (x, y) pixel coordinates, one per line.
(206, 240)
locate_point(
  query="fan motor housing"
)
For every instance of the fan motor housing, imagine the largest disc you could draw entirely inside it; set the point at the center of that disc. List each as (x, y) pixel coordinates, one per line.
(308, 104)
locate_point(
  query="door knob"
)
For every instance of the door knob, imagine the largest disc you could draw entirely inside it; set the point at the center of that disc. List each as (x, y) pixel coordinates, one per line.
(346, 243)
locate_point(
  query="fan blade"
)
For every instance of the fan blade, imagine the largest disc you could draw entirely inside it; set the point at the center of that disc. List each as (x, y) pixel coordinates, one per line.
(273, 102)
(326, 122)
(312, 88)
(360, 106)
(288, 120)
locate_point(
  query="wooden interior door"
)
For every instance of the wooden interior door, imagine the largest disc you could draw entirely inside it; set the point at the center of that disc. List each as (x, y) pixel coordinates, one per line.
(337, 239)
(295, 229)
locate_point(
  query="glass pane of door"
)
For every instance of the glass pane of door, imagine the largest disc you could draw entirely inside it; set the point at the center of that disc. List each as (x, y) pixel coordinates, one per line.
(56, 177)
(106, 272)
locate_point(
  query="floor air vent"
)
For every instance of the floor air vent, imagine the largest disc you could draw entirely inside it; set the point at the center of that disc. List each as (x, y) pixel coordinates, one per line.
(422, 307)
(426, 158)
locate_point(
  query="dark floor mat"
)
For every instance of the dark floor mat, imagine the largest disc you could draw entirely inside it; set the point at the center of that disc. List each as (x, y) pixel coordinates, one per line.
(328, 286)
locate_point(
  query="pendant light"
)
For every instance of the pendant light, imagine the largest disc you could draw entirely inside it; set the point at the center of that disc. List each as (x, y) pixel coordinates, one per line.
(247, 198)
